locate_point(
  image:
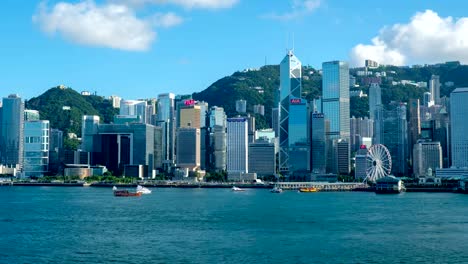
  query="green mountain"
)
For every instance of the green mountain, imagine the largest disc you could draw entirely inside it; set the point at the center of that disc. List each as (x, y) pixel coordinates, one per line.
(64, 108)
(258, 86)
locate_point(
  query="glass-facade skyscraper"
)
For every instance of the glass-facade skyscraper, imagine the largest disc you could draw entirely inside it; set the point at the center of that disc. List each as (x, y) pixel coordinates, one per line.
(335, 100)
(299, 147)
(36, 148)
(11, 131)
(459, 124)
(165, 118)
(290, 87)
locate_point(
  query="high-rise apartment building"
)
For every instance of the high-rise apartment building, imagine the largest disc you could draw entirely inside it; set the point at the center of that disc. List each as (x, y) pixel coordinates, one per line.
(459, 125)
(241, 106)
(12, 131)
(290, 87)
(237, 145)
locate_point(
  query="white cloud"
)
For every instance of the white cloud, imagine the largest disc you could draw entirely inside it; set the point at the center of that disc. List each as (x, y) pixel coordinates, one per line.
(109, 25)
(167, 20)
(300, 8)
(207, 4)
(427, 38)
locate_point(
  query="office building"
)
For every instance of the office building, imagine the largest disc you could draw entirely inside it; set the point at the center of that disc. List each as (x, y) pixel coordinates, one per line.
(299, 144)
(459, 127)
(165, 118)
(375, 99)
(12, 131)
(237, 145)
(117, 145)
(218, 154)
(135, 108)
(434, 88)
(415, 122)
(361, 163)
(395, 137)
(262, 157)
(335, 100)
(426, 155)
(36, 148)
(343, 157)
(188, 151)
(290, 87)
(318, 144)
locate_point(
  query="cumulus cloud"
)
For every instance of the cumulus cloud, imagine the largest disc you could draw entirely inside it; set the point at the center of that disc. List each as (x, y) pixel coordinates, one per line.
(300, 8)
(108, 25)
(427, 38)
(207, 4)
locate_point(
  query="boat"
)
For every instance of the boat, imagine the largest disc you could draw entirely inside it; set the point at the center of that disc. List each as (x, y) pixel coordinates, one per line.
(142, 190)
(237, 189)
(86, 184)
(124, 193)
(309, 189)
(276, 189)
(389, 185)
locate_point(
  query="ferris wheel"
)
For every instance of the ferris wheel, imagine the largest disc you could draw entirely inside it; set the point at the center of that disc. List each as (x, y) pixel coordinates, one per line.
(379, 163)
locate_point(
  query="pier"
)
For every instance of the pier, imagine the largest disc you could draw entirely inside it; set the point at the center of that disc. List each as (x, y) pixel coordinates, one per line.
(323, 186)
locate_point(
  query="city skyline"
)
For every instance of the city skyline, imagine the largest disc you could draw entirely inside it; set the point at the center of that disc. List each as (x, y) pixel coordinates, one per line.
(39, 50)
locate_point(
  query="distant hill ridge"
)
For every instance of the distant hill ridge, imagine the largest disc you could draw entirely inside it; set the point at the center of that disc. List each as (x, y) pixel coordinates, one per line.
(256, 86)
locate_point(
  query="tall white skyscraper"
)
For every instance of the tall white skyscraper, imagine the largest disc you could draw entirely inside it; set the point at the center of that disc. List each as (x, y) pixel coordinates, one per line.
(290, 87)
(434, 88)
(237, 145)
(459, 124)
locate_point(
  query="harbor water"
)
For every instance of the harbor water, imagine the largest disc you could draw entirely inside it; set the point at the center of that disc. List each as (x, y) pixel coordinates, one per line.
(90, 225)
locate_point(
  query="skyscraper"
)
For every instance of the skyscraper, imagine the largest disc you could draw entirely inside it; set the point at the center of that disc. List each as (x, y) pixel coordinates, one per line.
(318, 143)
(434, 88)
(459, 124)
(335, 98)
(395, 137)
(414, 124)
(188, 151)
(290, 87)
(12, 131)
(165, 117)
(36, 148)
(237, 145)
(299, 144)
(375, 99)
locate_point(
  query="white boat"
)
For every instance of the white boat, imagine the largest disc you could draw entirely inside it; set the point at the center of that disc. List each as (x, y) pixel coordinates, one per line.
(237, 189)
(276, 190)
(143, 190)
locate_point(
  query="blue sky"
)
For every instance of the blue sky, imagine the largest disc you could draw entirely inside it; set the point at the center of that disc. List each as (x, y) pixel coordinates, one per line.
(140, 48)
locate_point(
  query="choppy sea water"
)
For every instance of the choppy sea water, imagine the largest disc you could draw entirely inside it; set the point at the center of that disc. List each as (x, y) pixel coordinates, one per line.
(90, 225)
